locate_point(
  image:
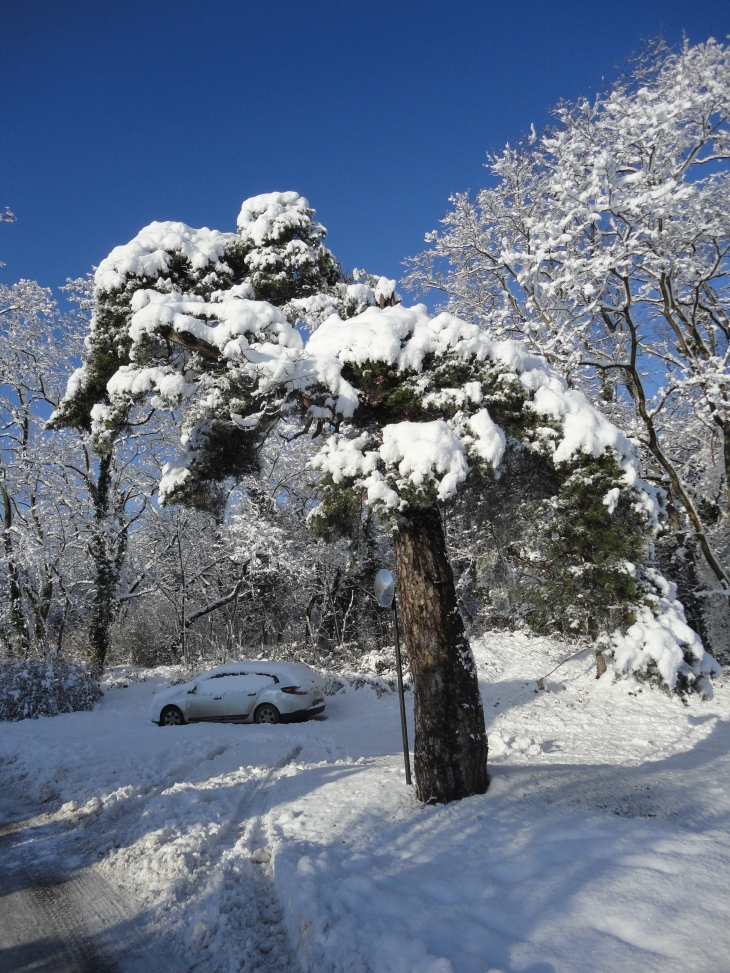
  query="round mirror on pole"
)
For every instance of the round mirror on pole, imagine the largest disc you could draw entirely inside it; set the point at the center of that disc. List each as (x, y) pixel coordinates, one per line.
(384, 588)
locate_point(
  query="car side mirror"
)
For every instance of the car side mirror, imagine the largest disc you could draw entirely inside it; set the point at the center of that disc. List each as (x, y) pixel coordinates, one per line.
(194, 689)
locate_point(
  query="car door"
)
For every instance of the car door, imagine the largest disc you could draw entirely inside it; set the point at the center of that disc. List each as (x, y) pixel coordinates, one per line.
(241, 692)
(204, 703)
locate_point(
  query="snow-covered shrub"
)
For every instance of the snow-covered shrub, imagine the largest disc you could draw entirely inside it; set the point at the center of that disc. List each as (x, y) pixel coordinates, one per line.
(660, 646)
(31, 687)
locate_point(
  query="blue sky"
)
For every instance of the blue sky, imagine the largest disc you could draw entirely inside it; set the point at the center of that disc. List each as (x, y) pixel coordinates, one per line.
(116, 114)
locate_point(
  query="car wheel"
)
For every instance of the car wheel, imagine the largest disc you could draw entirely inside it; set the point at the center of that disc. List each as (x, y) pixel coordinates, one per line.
(171, 716)
(267, 714)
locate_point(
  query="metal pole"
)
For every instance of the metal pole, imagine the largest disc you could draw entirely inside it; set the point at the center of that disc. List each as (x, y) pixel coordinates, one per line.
(403, 724)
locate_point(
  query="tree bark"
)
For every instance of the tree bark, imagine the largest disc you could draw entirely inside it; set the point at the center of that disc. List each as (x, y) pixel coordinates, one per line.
(17, 616)
(106, 575)
(450, 753)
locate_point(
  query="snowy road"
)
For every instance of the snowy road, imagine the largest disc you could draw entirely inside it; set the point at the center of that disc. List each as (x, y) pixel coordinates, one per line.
(602, 845)
(57, 915)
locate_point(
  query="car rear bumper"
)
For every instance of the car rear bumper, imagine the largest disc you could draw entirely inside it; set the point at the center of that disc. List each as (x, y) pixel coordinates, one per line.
(302, 714)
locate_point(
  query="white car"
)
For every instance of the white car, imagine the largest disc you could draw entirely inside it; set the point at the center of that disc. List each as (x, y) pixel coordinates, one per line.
(243, 692)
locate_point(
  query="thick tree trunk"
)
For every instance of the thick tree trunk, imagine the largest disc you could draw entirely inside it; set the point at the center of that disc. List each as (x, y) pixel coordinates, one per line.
(17, 616)
(102, 614)
(451, 743)
(106, 573)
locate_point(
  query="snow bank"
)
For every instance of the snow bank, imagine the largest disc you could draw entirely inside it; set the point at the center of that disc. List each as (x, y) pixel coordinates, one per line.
(510, 880)
(602, 829)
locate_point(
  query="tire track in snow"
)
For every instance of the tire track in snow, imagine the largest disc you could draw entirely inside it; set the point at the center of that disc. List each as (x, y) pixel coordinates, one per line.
(177, 775)
(242, 877)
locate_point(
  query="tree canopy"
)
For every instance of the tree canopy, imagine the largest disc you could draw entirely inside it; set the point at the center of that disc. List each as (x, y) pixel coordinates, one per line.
(604, 244)
(409, 410)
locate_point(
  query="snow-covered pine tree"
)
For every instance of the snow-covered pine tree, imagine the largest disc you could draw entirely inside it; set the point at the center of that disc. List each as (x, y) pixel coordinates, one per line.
(439, 404)
(414, 406)
(277, 255)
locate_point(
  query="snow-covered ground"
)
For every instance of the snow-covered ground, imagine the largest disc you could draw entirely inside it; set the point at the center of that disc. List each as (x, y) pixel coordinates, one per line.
(602, 845)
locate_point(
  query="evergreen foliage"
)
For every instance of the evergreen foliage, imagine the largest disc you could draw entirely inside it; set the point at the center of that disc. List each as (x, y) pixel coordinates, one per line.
(277, 256)
(280, 250)
(590, 541)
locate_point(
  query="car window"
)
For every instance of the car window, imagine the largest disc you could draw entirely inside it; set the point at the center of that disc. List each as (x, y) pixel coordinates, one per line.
(229, 675)
(252, 682)
(206, 687)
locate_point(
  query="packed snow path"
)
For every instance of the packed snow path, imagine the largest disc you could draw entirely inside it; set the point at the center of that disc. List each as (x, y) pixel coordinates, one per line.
(58, 915)
(602, 845)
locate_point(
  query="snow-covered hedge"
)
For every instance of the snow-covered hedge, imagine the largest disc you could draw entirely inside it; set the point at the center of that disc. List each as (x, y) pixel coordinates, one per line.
(30, 688)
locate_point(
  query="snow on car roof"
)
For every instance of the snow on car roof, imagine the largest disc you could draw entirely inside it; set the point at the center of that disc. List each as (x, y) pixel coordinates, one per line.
(261, 667)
